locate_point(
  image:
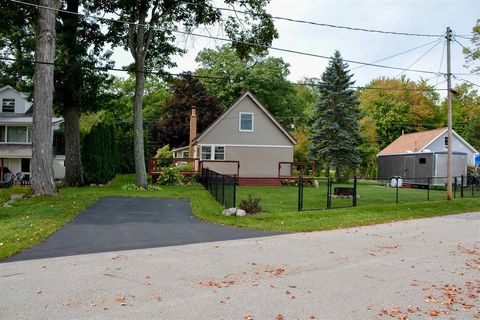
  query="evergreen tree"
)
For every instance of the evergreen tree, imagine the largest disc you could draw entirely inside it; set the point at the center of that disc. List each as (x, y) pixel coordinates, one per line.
(335, 134)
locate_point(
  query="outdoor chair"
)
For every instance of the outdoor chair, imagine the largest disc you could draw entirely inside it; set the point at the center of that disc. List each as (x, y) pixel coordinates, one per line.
(17, 179)
(7, 180)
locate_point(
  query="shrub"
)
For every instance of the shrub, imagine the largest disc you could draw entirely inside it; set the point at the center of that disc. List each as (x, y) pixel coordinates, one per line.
(100, 154)
(134, 187)
(251, 205)
(184, 166)
(191, 180)
(164, 156)
(169, 176)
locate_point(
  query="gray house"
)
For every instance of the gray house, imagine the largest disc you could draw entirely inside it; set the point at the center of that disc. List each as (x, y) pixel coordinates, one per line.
(16, 134)
(245, 140)
(421, 155)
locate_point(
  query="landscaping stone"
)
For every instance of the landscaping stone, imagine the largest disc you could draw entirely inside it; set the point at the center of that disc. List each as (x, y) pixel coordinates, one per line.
(240, 213)
(229, 212)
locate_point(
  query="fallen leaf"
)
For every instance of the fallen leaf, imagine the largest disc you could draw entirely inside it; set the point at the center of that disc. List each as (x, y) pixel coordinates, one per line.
(279, 317)
(121, 300)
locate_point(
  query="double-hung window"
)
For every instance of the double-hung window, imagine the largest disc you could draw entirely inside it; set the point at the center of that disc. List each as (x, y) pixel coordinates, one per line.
(245, 122)
(212, 153)
(206, 153)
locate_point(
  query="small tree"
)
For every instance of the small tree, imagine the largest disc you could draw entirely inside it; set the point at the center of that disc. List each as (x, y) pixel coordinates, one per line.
(173, 127)
(100, 154)
(335, 133)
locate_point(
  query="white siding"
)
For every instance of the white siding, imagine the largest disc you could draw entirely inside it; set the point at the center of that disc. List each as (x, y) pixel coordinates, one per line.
(458, 146)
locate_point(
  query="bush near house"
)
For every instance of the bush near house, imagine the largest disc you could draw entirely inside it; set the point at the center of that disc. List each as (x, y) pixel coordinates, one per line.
(100, 154)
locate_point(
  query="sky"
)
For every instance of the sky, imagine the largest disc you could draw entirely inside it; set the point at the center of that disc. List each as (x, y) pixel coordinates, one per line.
(421, 16)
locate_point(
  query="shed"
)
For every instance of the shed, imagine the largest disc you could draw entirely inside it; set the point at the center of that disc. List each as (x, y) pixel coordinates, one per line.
(421, 157)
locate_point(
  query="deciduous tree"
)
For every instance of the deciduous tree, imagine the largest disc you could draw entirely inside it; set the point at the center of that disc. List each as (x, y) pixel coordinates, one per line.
(42, 158)
(150, 39)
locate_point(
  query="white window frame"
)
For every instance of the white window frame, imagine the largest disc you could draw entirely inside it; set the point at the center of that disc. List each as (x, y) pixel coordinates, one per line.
(240, 121)
(212, 151)
(28, 135)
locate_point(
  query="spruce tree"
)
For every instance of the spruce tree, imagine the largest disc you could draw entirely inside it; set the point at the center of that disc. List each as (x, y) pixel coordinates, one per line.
(335, 133)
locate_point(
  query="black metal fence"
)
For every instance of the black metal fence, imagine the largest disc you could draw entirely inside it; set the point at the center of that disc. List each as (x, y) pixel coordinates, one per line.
(325, 193)
(222, 187)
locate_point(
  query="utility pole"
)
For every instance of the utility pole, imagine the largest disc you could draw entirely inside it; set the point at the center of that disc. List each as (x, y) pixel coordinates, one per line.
(449, 124)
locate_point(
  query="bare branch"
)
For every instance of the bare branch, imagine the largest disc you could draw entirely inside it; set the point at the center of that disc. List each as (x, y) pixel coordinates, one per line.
(153, 21)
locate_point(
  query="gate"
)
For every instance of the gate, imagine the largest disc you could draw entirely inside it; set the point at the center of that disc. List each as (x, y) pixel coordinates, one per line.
(326, 193)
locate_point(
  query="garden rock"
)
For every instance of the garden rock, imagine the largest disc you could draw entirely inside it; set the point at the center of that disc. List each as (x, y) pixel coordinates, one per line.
(241, 213)
(229, 212)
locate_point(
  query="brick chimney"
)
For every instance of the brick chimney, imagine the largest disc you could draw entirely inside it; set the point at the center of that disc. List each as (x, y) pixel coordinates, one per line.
(193, 132)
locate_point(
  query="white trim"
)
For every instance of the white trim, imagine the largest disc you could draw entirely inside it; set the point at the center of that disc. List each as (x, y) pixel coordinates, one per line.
(212, 151)
(468, 145)
(240, 122)
(258, 145)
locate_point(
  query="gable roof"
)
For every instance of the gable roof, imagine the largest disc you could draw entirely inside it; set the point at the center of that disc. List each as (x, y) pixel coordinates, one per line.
(418, 142)
(251, 96)
(4, 88)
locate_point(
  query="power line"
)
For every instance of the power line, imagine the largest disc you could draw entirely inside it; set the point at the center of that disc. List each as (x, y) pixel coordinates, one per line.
(472, 83)
(164, 73)
(398, 54)
(232, 41)
(330, 25)
(423, 55)
(441, 62)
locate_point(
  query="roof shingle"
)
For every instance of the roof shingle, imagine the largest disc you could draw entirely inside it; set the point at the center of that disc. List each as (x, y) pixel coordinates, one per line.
(413, 142)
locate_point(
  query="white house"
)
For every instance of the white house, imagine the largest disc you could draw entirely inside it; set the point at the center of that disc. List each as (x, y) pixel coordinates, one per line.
(16, 134)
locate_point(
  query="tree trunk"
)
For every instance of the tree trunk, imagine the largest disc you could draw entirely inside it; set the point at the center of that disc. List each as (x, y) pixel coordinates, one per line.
(73, 161)
(42, 159)
(71, 110)
(138, 144)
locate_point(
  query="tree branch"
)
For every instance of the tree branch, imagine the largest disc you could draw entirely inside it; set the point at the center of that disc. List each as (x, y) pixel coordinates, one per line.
(153, 21)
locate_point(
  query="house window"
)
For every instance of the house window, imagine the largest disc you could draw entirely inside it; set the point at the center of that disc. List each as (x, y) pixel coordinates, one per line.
(2, 134)
(206, 153)
(246, 121)
(422, 160)
(212, 153)
(185, 154)
(17, 134)
(29, 134)
(25, 165)
(8, 105)
(219, 153)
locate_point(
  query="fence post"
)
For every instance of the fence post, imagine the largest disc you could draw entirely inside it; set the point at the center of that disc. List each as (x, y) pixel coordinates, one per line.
(354, 196)
(396, 178)
(329, 193)
(428, 189)
(461, 186)
(223, 190)
(300, 193)
(206, 178)
(455, 187)
(234, 204)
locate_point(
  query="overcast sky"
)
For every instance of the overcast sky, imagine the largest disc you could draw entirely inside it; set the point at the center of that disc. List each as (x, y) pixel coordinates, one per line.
(420, 16)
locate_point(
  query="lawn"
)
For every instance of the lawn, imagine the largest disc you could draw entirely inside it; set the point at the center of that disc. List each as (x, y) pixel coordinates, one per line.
(31, 220)
(370, 193)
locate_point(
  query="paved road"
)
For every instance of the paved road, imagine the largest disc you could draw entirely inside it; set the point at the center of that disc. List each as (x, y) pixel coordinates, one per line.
(357, 273)
(118, 223)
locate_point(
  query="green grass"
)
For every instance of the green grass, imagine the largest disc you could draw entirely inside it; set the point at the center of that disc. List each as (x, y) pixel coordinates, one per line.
(32, 220)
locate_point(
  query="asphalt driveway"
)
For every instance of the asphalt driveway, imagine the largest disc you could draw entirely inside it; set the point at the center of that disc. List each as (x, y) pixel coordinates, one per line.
(119, 223)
